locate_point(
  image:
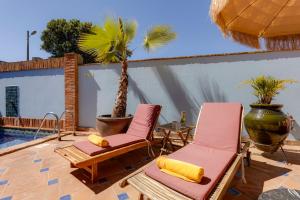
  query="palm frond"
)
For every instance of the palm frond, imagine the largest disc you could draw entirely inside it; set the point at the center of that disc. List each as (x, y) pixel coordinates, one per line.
(108, 43)
(130, 28)
(265, 88)
(158, 36)
(111, 26)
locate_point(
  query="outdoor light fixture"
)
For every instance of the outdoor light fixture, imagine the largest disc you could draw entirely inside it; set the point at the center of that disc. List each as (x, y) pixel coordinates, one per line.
(28, 36)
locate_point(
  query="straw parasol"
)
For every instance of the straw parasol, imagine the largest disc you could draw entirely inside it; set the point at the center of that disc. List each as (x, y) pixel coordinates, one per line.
(277, 22)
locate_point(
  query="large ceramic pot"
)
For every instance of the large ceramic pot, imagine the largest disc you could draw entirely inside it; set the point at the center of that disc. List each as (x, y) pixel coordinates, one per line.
(107, 125)
(267, 126)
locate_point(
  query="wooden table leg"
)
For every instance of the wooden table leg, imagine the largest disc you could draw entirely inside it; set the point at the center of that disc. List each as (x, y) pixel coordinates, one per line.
(165, 140)
(94, 172)
(171, 144)
(187, 136)
(180, 134)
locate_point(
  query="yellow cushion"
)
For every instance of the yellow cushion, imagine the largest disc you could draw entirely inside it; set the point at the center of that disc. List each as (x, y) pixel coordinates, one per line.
(180, 169)
(97, 140)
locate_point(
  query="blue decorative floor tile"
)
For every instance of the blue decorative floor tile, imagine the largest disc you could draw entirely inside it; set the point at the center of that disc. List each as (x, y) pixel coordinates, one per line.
(234, 192)
(44, 170)
(3, 182)
(123, 196)
(285, 174)
(53, 181)
(6, 198)
(37, 160)
(65, 197)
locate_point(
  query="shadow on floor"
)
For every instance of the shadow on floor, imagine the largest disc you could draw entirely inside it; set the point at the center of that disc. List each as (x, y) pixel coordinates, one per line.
(292, 156)
(113, 170)
(256, 175)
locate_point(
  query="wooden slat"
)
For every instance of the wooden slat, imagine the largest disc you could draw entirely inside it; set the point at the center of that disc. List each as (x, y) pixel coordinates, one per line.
(71, 154)
(111, 154)
(224, 183)
(76, 153)
(153, 189)
(82, 160)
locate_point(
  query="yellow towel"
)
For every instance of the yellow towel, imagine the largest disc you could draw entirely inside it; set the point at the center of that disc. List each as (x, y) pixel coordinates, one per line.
(180, 169)
(97, 140)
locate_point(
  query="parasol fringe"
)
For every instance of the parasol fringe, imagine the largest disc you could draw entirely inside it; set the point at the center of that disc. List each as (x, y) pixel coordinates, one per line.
(216, 7)
(287, 42)
(246, 39)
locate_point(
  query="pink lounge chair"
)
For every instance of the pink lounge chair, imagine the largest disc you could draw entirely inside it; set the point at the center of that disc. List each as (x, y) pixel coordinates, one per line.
(86, 155)
(216, 147)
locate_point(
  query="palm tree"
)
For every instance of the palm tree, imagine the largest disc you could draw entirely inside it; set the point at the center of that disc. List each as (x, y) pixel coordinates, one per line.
(110, 42)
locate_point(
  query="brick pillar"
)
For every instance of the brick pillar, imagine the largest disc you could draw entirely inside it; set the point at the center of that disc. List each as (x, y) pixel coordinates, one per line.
(71, 90)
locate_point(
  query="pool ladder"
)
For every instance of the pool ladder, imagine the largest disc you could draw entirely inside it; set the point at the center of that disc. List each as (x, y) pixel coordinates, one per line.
(57, 119)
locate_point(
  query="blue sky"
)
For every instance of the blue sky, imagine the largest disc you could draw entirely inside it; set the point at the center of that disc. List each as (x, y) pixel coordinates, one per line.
(190, 20)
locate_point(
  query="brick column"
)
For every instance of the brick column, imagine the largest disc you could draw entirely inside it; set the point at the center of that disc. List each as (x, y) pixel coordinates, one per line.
(71, 90)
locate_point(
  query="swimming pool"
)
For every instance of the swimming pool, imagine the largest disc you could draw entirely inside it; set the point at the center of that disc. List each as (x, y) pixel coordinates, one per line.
(10, 136)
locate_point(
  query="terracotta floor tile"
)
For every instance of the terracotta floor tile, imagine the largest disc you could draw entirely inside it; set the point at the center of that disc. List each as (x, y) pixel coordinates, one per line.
(131, 192)
(108, 194)
(80, 195)
(33, 194)
(52, 192)
(17, 185)
(25, 181)
(292, 183)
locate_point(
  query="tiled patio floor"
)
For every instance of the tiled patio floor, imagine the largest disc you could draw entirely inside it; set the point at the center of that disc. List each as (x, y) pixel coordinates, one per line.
(39, 173)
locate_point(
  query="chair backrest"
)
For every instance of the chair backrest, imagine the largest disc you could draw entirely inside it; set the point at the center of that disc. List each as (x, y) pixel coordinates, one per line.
(219, 126)
(144, 120)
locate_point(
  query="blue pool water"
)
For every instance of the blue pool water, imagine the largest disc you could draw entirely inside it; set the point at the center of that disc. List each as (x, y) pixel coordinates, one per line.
(10, 137)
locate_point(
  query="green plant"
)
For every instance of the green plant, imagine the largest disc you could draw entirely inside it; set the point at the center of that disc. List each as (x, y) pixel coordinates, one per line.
(110, 43)
(267, 87)
(61, 36)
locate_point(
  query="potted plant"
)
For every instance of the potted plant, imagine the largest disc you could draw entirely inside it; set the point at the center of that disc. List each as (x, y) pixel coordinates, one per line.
(266, 124)
(110, 44)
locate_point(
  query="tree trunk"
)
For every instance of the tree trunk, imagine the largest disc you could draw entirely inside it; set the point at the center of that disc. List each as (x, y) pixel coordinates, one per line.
(121, 100)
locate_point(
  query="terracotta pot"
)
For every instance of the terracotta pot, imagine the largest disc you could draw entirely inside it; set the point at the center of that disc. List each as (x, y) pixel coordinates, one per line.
(267, 126)
(106, 125)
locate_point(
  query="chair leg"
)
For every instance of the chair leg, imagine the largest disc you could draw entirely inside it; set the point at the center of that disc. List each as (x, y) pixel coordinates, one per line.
(94, 173)
(72, 165)
(243, 171)
(248, 158)
(141, 196)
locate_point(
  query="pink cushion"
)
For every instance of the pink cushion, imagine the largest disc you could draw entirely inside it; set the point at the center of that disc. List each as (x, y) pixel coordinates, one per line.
(219, 126)
(115, 141)
(214, 161)
(144, 120)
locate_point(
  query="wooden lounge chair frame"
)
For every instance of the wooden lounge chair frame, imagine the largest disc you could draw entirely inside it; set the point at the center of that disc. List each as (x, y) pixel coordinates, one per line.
(154, 190)
(79, 159)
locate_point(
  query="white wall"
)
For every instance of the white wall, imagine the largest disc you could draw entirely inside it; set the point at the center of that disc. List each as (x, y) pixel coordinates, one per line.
(40, 91)
(184, 84)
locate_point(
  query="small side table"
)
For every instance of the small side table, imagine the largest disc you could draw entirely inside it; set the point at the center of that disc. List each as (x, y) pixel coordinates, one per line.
(182, 131)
